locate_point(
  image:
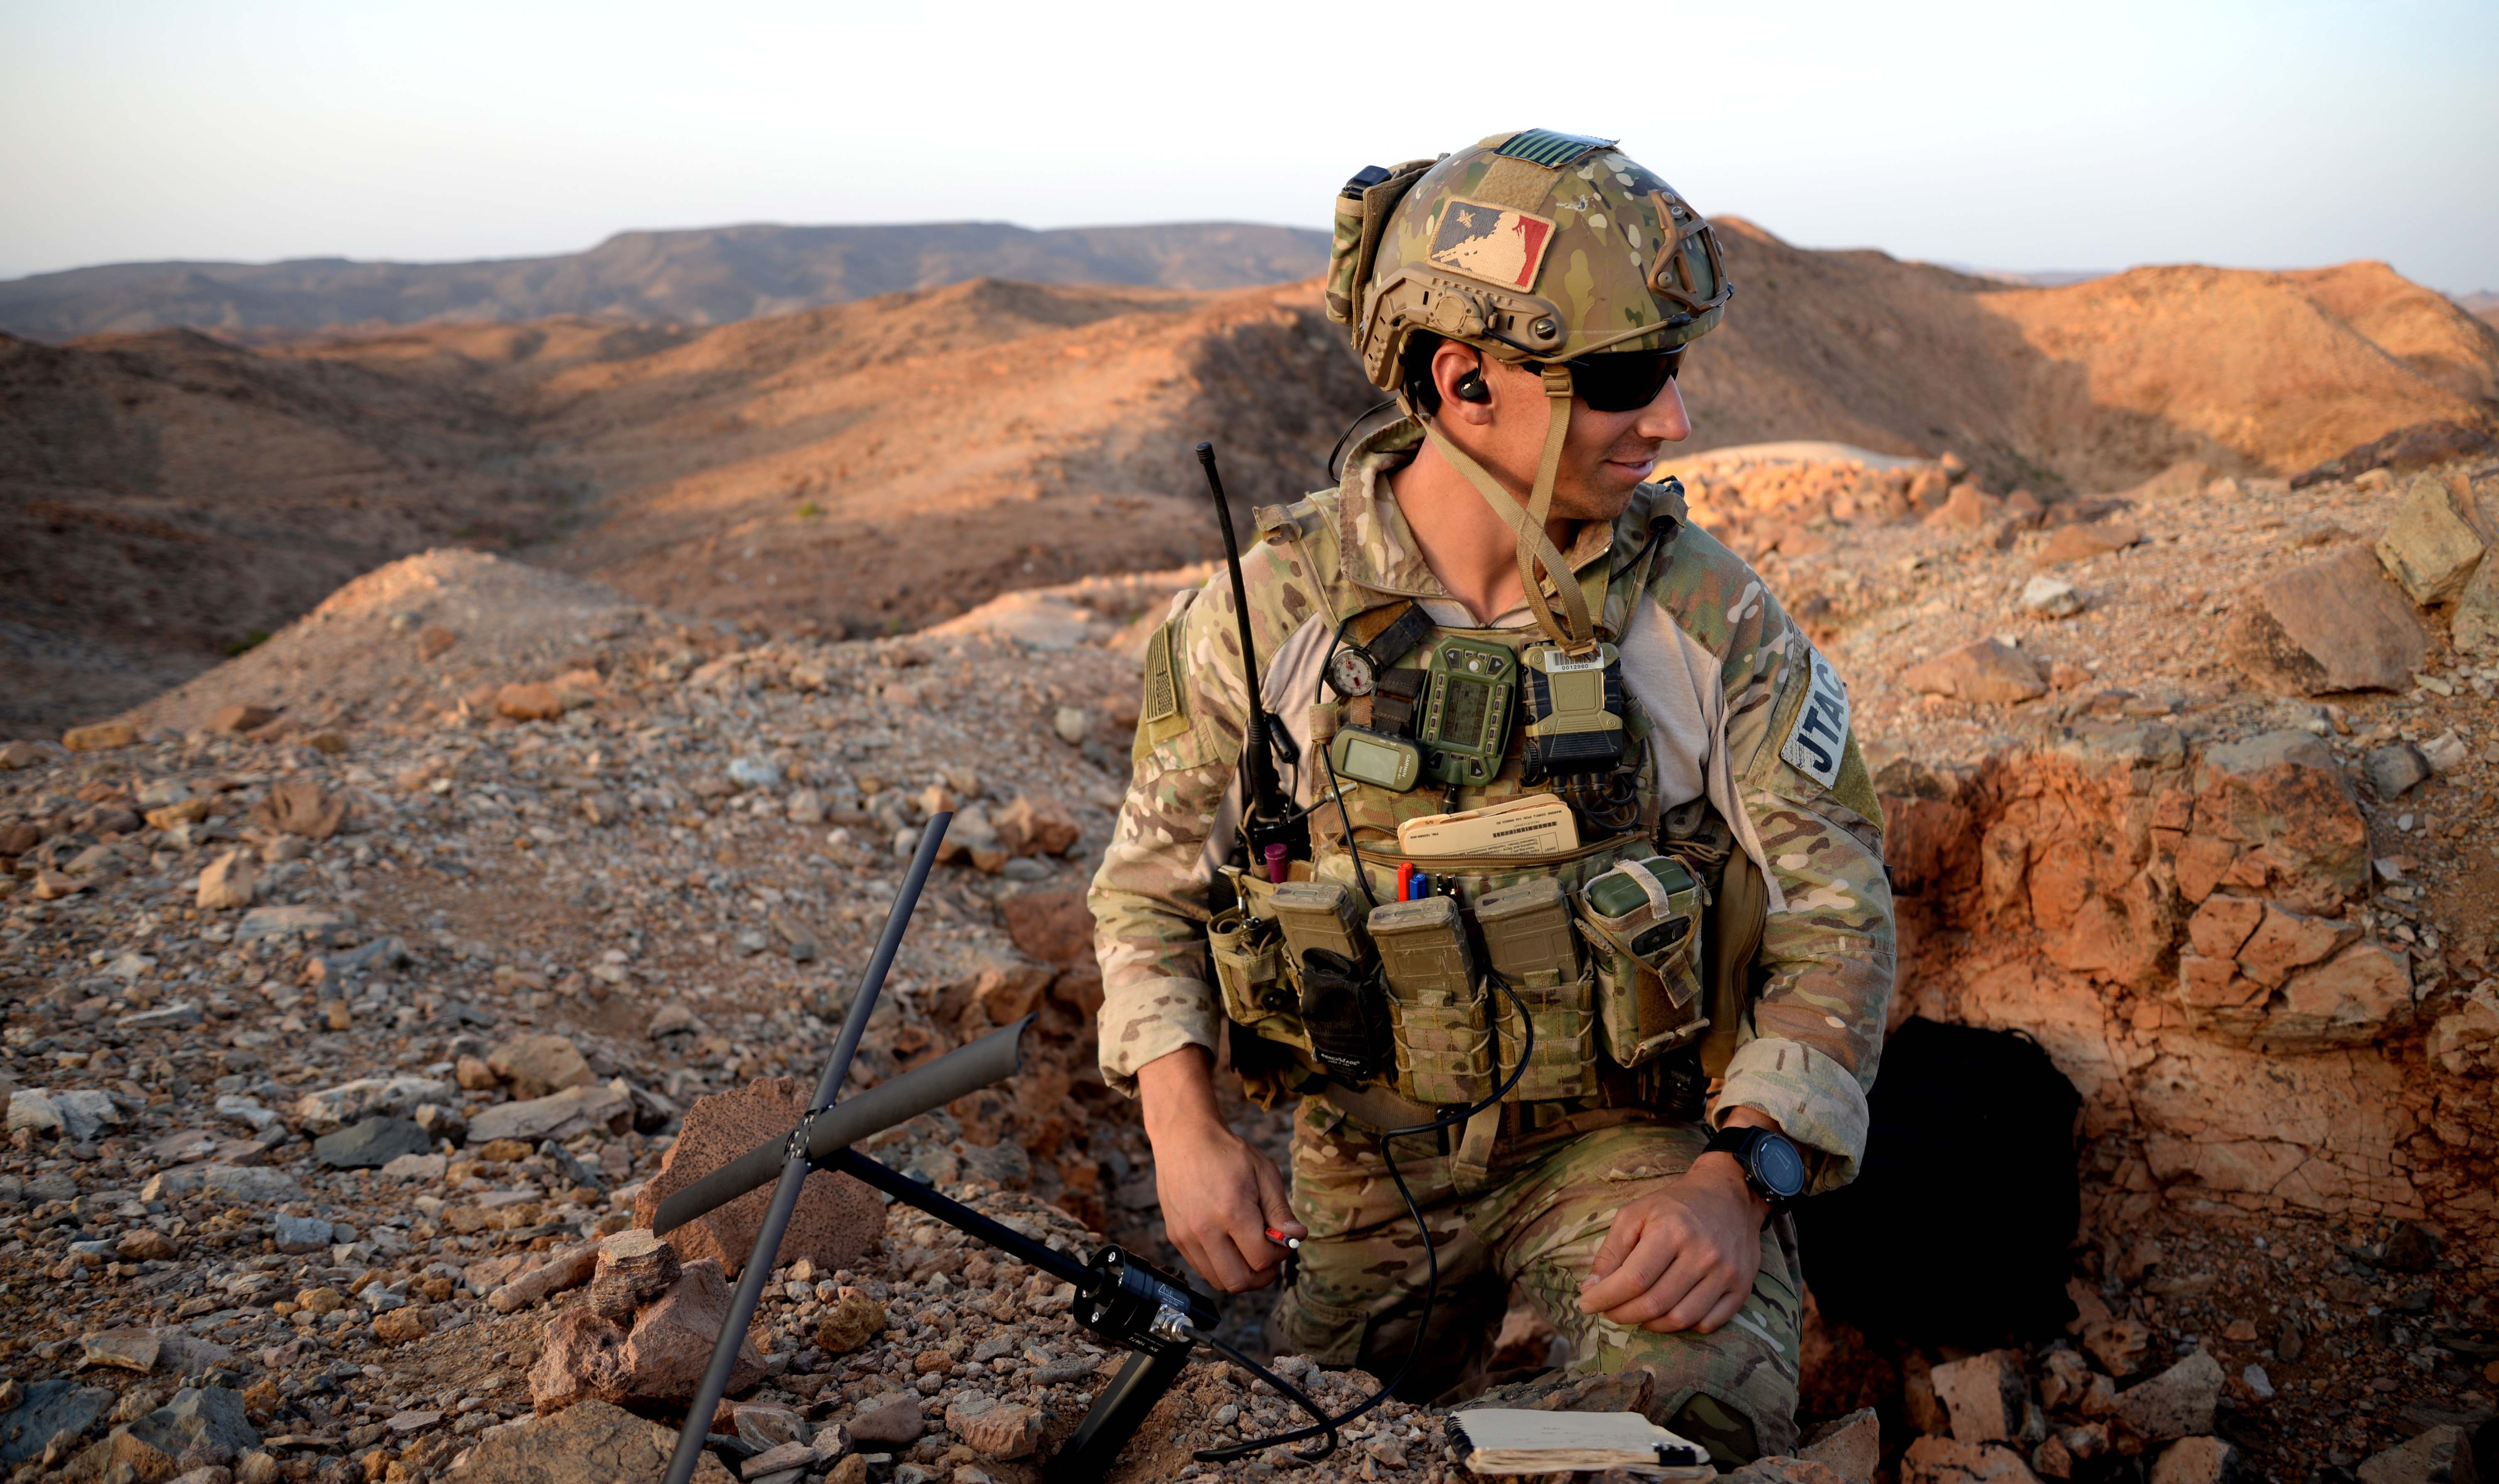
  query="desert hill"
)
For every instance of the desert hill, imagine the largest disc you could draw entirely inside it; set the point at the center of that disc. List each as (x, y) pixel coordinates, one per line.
(704, 276)
(884, 463)
(2082, 386)
(163, 497)
(867, 467)
(893, 461)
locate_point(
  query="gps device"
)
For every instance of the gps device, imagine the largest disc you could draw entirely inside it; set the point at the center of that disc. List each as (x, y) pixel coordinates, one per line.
(1464, 724)
(1379, 758)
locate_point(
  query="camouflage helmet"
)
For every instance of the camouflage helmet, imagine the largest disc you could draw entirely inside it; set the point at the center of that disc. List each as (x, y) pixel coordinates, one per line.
(1537, 248)
(1531, 245)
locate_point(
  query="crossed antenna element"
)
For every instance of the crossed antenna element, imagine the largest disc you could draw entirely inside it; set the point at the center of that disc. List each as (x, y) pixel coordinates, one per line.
(1152, 1313)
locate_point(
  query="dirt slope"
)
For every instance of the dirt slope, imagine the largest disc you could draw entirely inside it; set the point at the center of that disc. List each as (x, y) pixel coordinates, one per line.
(896, 461)
(162, 497)
(704, 277)
(864, 468)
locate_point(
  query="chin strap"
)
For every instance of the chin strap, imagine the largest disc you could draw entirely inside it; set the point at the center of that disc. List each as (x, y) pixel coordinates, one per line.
(1571, 630)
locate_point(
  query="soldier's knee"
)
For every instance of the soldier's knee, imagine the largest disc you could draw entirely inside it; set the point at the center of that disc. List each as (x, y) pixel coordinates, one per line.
(1726, 1431)
(1330, 1334)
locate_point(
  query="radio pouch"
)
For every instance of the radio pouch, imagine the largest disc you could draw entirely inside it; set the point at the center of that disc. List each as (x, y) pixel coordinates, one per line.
(1436, 1010)
(1248, 955)
(1643, 922)
(1342, 1016)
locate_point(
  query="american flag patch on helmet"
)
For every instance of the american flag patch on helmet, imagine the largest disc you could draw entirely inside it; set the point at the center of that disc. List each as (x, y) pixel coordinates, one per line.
(1491, 242)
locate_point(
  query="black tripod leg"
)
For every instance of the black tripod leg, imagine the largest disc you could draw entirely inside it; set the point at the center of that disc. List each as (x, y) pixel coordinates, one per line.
(1117, 1412)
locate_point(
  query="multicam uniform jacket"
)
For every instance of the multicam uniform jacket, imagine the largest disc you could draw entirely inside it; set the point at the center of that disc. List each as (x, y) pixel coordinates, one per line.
(1739, 708)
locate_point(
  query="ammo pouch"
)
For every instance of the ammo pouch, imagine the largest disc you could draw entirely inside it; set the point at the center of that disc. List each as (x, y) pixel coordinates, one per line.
(1413, 995)
(1534, 951)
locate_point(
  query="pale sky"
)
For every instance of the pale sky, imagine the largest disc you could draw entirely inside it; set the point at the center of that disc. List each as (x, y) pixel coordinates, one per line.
(2006, 135)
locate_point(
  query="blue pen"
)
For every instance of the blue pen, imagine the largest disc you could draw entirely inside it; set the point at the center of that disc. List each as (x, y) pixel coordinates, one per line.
(1422, 886)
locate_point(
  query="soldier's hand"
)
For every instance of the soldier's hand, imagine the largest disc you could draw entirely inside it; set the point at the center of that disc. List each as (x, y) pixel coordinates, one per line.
(1684, 1258)
(1219, 1195)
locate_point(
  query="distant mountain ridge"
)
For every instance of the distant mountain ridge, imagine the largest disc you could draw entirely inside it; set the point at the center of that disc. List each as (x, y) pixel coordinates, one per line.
(710, 275)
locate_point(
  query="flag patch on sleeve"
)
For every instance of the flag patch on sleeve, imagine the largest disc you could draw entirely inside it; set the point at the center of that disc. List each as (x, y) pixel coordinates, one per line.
(1819, 735)
(1491, 242)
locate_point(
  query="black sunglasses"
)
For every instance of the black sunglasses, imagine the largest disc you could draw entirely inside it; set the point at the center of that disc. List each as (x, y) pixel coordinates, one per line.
(1623, 380)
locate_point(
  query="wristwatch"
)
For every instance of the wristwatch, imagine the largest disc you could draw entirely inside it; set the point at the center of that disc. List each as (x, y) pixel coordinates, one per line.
(1771, 1165)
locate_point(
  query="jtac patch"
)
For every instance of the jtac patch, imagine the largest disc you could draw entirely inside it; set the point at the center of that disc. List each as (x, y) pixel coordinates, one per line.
(1491, 242)
(1819, 736)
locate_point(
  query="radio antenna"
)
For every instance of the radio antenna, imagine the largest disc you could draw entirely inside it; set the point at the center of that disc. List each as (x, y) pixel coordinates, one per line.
(1267, 818)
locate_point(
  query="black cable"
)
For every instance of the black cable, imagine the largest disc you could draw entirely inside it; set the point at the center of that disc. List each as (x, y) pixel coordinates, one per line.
(1327, 1424)
(1430, 1263)
(1335, 788)
(1364, 416)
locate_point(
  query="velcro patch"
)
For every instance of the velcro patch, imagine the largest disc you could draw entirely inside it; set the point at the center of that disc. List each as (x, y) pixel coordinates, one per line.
(1549, 147)
(1162, 698)
(1491, 242)
(1819, 736)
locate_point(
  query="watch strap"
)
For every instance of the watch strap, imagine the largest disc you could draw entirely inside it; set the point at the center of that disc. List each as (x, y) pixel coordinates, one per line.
(1739, 1142)
(1395, 642)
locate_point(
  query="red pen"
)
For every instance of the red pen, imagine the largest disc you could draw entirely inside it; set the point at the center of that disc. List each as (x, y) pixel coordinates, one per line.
(1406, 881)
(1279, 1238)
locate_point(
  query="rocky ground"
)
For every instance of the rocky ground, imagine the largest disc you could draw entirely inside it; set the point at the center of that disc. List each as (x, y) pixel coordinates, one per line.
(350, 1035)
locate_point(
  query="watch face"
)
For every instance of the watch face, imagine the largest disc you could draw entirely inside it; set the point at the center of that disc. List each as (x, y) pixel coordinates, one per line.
(1779, 1166)
(1352, 672)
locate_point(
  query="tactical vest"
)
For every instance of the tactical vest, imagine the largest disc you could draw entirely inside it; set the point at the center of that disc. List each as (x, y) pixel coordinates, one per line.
(1601, 947)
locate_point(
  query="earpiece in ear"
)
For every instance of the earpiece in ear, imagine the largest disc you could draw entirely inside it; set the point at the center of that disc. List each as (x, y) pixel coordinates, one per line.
(1471, 388)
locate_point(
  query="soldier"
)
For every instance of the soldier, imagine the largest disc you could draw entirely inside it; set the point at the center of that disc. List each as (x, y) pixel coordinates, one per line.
(1716, 927)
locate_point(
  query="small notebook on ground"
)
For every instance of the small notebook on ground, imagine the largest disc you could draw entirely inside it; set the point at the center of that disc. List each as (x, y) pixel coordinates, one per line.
(1504, 1440)
(1531, 824)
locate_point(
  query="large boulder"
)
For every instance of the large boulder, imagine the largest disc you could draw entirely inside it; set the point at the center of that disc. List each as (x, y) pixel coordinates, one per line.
(672, 1341)
(2177, 1402)
(2333, 625)
(837, 1219)
(607, 1108)
(1982, 670)
(582, 1359)
(2474, 626)
(204, 1427)
(1932, 1460)
(2432, 547)
(2196, 1461)
(539, 1064)
(1851, 1447)
(2429, 1457)
(46, 1409)
(1984, 1395)
(394, 1097)
(594, 1444)
(371, 1144)
(233, 1184)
